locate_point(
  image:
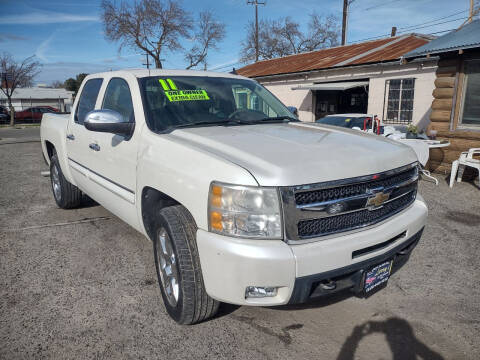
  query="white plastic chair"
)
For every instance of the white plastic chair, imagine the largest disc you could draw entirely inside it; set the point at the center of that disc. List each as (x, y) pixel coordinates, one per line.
(466, 159)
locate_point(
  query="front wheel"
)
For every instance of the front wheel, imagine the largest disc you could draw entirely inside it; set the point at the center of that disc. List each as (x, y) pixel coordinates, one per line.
(178, 267)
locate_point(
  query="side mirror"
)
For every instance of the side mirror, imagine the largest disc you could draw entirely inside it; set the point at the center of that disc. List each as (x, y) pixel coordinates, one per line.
(293, 110)
(108, 121)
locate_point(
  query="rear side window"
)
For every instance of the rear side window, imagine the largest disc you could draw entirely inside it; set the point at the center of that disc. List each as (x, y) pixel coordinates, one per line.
(87, 100)
(118, 98)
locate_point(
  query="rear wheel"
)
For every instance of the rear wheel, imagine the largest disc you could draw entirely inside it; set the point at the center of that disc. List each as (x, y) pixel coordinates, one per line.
(66, 195)
(178, 267)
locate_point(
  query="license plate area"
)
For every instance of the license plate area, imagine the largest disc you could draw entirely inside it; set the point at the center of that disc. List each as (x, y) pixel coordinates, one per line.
(376, 278)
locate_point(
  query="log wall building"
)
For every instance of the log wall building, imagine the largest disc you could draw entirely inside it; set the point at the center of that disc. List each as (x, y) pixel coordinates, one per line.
(455, 110)
(446, 110)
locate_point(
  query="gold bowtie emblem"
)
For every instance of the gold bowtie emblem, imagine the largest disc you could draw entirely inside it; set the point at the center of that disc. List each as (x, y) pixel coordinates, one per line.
(378, 199)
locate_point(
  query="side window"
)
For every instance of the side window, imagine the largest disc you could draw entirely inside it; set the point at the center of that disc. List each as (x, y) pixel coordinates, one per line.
(470, 110)
(87, 100)
(118, 98)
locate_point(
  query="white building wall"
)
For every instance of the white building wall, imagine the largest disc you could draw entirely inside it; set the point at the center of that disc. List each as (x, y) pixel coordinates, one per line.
(377, 74)
(301, 99)
(422, 101)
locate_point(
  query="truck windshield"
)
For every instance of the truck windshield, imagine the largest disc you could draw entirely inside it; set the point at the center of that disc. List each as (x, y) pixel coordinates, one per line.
(184, 101)
(343, 121)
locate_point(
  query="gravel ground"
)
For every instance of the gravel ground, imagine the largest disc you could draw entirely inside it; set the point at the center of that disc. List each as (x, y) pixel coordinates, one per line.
(82, 284)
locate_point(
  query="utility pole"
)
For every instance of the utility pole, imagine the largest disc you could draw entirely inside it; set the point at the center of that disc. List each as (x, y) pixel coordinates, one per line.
(147, 63)
(256, 3)
(470, 14)
(344, 22)
(346, 3)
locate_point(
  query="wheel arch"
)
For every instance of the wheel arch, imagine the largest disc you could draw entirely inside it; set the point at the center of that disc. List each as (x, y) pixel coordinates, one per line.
(152, 201)
(50, 149)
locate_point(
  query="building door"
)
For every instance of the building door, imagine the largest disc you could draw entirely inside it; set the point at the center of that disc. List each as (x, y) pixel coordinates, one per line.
(348, 101)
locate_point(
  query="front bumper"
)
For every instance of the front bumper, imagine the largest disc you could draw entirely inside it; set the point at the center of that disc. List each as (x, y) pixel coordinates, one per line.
(350, 277)
(230, 265)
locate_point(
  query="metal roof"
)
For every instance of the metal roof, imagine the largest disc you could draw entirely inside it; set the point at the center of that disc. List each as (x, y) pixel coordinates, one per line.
(467, 37)
(344, 85)
(39, 93)
(381, 50)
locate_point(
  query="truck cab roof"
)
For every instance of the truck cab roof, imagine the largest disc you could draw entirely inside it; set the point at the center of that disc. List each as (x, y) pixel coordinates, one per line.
(141, 73)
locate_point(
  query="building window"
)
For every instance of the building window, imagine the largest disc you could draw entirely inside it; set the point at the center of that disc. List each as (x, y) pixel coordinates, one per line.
(470, 110)
(399, 102)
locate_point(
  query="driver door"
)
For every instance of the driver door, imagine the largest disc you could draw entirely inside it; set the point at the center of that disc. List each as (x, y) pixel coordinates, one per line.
(78, 137)
(112, 159)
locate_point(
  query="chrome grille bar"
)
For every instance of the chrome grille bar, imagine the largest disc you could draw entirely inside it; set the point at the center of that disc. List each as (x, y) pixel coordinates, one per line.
(371, 197)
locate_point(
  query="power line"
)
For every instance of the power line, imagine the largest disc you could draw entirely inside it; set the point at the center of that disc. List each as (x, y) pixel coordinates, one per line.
(440, 23)
(433, 20)
(420, 26)
(410, 29)
(226, 66)
(376, 6)
(438, 32)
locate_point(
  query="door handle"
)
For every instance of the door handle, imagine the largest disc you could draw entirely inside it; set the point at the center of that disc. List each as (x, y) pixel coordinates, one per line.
(71, 137)
(94, 146)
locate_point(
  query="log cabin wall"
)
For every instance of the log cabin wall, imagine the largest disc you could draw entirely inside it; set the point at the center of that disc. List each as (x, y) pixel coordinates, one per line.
(446, 111)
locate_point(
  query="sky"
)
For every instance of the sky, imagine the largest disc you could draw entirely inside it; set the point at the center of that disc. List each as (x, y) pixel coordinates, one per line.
(67, 37)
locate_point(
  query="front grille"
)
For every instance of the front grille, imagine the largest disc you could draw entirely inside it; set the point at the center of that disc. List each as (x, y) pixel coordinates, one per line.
(316, 196)
(316, 210)
(345, 222)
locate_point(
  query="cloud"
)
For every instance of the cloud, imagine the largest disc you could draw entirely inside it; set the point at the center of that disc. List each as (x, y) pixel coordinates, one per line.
(42, 49)
(117, 58)
(11, 37)
(223, 65)
(38, 17)
(63, 70)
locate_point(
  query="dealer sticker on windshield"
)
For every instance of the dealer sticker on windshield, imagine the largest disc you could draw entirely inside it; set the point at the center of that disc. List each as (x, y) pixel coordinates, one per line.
(173, 94)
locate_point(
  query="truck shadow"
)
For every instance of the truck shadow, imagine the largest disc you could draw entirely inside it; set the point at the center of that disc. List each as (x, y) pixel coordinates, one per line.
(399, 335)
(227, 309)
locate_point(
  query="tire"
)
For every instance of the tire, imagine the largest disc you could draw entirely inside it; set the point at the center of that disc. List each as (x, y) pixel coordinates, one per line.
(183, 293)
(66, 195)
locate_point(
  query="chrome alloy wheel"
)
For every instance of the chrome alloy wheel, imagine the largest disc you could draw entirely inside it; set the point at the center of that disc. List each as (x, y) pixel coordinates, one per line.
(167, 264)
(57, 191)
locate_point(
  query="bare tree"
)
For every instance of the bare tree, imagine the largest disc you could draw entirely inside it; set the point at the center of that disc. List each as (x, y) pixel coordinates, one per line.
(208, 34)
(57, 84)
(16, 74)
(151, 25)
(284, 37)
(157, 26)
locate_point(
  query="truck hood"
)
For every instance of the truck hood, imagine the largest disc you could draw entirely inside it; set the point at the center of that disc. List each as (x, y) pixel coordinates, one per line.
(298, 153)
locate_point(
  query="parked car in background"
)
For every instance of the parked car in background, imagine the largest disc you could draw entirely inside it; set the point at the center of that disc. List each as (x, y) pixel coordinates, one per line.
(4, 110)
(293, 110)
(34, 113)
(4, 115)
(350, 121)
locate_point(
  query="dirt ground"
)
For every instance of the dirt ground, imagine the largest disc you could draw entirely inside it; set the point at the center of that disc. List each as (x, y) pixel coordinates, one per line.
(82, 284)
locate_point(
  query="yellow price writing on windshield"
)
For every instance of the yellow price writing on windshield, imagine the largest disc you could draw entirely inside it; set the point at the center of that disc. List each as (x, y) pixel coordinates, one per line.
(173, 94)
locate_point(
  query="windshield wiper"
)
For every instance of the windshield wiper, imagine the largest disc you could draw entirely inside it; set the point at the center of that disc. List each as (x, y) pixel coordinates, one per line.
(206, 123)
(226, 122)
(276, 119)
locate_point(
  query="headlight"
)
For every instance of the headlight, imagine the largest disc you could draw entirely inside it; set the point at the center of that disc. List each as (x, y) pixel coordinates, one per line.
(244, 211)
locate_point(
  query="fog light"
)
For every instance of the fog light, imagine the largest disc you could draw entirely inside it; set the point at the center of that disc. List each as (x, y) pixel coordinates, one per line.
(260, 292)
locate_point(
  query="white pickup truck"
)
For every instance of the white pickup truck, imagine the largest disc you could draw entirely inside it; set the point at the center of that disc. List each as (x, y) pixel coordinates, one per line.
(244, 204)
